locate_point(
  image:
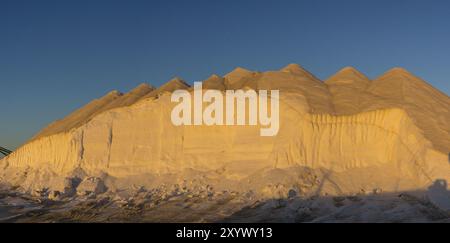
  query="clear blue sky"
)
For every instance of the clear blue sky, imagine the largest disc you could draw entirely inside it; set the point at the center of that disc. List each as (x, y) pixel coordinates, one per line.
(56, 56)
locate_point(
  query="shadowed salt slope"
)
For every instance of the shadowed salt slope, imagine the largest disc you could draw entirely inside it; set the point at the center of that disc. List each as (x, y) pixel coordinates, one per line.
(429, 107)
(347, 88)
(214, 82)
(168, 87)
(352, 133)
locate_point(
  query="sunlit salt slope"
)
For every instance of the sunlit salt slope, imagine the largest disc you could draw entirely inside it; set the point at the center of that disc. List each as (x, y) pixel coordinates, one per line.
(350, 132)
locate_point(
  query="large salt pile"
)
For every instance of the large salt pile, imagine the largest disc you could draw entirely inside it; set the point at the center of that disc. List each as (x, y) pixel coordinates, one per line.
(342, 136)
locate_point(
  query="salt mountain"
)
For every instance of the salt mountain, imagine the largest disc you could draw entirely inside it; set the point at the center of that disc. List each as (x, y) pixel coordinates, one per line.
(340, 136)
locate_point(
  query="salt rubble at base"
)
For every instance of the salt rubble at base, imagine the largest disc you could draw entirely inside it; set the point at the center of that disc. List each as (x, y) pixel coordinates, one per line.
(342, 137)
(203, 203)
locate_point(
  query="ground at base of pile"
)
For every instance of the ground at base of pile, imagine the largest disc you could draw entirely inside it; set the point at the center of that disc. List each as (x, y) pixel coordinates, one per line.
(153, 206)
